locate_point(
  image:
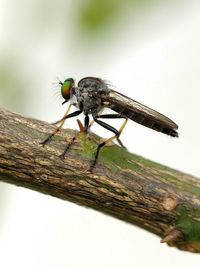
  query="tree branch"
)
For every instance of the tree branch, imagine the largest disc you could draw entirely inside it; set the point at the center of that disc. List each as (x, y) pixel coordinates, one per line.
(163, 201)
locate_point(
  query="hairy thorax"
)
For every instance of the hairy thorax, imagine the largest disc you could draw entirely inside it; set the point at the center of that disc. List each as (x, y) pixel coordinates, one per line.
(87, 95)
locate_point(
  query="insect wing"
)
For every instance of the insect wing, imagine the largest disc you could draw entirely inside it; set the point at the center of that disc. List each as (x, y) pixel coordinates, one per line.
(141, 113)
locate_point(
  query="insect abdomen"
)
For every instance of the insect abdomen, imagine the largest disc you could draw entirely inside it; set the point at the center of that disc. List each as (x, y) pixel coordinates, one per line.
(142, 114)
(150, 123)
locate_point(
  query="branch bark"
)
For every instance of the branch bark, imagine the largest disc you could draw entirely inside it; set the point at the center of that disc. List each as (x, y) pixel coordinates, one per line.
(162, 200)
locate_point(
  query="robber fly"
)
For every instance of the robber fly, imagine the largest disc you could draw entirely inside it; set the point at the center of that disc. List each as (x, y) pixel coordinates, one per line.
(92, 95)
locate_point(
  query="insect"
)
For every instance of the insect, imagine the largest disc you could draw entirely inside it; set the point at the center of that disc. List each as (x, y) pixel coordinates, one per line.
(92, 95)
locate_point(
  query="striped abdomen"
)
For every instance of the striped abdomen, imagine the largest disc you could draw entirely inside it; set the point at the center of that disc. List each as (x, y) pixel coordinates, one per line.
(141, 114)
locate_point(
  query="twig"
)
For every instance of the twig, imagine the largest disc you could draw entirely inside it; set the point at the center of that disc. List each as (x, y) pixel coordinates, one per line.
(131, 188)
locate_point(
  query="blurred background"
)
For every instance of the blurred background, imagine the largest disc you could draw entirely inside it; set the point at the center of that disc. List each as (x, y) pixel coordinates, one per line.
(148, 50)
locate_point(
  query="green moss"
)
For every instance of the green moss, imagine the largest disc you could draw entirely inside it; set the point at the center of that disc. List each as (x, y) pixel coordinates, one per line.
(188, 223)
(117, 157)
(89, 148)
(113, 156)
(180, 184)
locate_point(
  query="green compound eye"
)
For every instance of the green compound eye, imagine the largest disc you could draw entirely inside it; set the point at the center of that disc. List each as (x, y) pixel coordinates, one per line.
(66, 87)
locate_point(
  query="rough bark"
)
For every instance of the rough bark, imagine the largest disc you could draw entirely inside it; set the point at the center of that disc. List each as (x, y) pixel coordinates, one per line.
(131, 188)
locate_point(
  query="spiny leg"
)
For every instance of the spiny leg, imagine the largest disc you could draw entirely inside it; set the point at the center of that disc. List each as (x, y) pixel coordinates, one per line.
(113, 116)
(82, 129)
(61, 121)
(107, 116)
(68, 146)
(112, 129)
(73, 114)
(63, 118)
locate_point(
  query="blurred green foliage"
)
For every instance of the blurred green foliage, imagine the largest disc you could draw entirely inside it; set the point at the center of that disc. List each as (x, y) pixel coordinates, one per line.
(12, 87)
(99, 15)
(95, 14)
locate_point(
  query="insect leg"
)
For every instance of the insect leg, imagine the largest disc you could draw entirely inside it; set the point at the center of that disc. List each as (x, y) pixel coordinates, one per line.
(113, 116)
(73, 114)
(82, 129)
(61, 121)
(110, 128)
(105, 125)
(68, 146)
(86, 122)
(92, 122)
(108, 116)
(63, 118)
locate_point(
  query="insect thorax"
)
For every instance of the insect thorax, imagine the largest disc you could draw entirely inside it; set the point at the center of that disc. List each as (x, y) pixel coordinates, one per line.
(88, 94)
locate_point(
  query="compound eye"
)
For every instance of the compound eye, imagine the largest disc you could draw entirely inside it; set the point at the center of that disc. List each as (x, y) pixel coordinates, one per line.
(66, 87)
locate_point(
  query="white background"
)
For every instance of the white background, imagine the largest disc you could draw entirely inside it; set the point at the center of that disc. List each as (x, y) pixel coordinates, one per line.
(153, 58)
